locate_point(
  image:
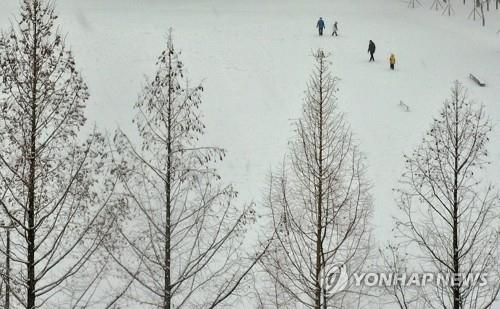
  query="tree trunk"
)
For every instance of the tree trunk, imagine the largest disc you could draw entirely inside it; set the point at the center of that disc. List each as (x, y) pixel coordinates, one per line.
(31, 296)
(7, 272)
(168, 185)
(319, 245)
(482, 14)
(456, 262)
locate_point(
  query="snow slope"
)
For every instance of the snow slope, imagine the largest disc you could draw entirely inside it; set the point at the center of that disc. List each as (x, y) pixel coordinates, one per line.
(254, 58)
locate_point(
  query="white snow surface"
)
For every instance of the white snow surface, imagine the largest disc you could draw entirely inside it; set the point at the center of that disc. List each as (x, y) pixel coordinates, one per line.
(254, 59)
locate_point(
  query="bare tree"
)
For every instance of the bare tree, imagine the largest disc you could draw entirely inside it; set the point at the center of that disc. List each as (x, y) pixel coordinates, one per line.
(450, 220)
(269, 289)
(448, 8)
(54, 185)
(318, 202)
(436, 5)
(412, 3)
(483, 17)
(182, 242)
(478, 10)
(397, 267)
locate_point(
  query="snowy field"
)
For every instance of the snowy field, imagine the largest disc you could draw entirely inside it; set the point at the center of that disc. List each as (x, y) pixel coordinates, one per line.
(254, 58)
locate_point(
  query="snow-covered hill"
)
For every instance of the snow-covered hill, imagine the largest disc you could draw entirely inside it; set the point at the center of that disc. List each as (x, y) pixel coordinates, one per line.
(255, 58)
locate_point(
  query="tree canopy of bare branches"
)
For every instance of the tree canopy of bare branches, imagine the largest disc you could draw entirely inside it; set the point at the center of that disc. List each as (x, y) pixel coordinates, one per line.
(182, 241)
(54, 189)
(319, 204)
(450, 217)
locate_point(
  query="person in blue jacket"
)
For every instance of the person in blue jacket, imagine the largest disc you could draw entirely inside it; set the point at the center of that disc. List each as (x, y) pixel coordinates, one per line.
(320, 25)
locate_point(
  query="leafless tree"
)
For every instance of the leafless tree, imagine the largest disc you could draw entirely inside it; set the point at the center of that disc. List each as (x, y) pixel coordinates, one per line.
(483, 17)
(436, 5)
(448, 8)
(318, 202)
(54, 183)
(395, 263)
(478, 10)
(182, 242)
(413, 3)
(450, 221)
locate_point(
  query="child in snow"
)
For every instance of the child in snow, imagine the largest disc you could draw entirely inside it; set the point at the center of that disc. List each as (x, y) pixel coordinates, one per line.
(392, 61)
(335, 29)
(320, 25)
(371, 50)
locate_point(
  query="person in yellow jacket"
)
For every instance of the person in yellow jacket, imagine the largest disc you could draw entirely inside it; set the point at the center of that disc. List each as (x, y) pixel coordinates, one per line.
(392, 61)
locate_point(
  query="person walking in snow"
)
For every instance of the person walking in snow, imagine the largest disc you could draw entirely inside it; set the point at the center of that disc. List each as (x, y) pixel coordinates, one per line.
(371, 50)
(320, 25)
(335, 29)
(392, 61)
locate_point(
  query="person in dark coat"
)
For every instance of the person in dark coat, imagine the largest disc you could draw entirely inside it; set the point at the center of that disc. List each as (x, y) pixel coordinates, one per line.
(371, 50)
(320, 25)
